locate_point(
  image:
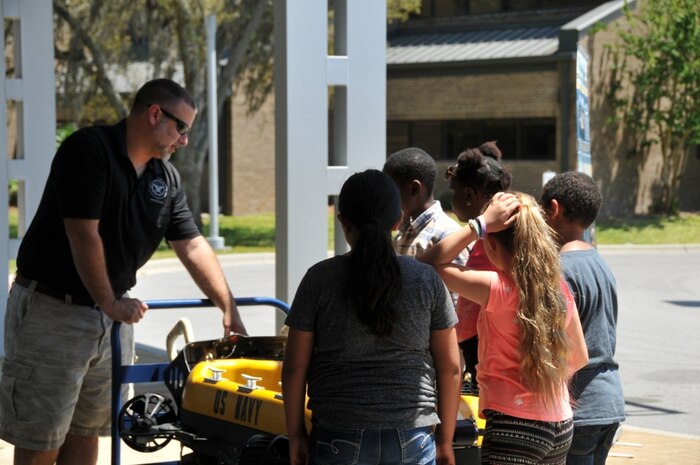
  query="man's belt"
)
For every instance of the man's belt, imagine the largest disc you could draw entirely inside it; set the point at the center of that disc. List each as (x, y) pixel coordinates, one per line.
(46, 290)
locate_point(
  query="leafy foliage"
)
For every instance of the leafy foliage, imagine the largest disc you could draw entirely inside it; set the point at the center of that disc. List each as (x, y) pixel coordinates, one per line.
(658, 55)
(400, 10)
(64, 131)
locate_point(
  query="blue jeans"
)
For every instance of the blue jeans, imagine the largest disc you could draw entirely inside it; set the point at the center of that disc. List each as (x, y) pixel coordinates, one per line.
(591, 444)
(337, 446)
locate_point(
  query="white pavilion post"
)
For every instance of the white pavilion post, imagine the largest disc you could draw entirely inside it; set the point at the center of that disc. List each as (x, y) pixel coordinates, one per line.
(33, 90)
(303, 72)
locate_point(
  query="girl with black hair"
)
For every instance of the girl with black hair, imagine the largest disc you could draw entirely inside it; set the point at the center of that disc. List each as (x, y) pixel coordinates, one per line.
(474, 179)
(372, 335)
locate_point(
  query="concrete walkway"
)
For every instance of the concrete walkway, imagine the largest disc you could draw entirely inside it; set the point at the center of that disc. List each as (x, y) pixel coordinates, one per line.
(636, 446)
(639, 446)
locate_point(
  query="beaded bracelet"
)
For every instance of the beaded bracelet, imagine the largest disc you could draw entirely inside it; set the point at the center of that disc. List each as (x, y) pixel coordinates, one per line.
(476, 227)
(482, 223)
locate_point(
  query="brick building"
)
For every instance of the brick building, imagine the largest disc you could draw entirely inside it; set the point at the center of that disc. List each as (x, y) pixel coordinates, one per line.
(466, 71)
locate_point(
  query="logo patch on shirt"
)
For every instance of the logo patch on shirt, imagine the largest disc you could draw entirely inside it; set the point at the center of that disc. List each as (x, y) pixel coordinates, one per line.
(158, 188)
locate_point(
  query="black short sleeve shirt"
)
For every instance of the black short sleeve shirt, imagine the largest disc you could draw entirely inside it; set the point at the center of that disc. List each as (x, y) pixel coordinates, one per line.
(92, 177)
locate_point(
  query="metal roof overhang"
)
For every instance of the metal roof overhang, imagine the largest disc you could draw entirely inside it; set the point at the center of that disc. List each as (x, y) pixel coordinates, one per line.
(520, 44)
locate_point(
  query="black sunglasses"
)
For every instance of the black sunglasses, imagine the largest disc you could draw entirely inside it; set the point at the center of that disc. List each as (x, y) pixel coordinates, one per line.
(181, 126)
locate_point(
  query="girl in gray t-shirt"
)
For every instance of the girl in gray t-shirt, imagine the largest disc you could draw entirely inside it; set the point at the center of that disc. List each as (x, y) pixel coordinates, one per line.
(372, 334)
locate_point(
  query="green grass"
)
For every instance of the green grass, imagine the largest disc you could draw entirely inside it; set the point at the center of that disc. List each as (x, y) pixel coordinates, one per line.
(246, 234)
(241, 234)
(250, 233)
(13, 219)
(680, 229)
(256, 233)
(647, 230)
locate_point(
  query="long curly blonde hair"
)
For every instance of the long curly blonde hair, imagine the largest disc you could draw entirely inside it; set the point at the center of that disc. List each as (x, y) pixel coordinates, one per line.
(535, 268)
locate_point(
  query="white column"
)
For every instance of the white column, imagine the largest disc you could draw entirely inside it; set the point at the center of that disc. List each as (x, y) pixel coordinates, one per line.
(301, 140)
(359, 72)
(34, 90)
(4, 197)
(365, 119)
(303, 72)
(216, 241)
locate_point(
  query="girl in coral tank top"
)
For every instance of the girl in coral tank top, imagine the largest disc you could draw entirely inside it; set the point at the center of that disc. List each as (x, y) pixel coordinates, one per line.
(530, 337)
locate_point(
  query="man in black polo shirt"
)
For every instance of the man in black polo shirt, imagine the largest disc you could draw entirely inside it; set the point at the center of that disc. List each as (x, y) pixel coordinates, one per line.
(110, 198)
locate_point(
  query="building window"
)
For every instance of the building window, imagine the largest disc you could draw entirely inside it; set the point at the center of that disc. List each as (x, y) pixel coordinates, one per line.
(518, 139)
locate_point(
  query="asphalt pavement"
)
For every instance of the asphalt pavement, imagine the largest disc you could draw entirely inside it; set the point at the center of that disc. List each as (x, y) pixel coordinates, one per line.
(659, 315)
(657, 347)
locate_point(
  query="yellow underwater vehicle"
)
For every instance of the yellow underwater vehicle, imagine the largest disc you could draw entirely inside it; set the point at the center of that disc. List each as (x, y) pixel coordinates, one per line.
(225, 403)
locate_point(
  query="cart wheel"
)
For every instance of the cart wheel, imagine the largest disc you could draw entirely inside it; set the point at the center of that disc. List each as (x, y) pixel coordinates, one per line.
(139, 420)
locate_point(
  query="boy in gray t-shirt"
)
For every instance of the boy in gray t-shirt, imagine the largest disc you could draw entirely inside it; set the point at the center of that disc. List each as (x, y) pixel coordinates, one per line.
(572, 200)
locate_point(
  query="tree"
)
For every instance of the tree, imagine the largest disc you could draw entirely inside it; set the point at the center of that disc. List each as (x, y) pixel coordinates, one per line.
(99, 42)
(656, 86)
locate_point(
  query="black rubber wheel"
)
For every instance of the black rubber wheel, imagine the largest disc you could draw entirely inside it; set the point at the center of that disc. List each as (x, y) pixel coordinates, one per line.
(138, 418)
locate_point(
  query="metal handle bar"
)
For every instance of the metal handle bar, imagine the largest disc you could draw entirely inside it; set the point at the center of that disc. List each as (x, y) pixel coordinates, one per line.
(194, 303)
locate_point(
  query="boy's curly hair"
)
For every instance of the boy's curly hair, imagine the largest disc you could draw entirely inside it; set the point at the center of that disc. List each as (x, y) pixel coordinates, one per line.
(577, 193)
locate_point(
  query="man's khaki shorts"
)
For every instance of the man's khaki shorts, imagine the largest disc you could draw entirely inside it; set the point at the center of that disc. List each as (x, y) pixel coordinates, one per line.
(56, 377)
